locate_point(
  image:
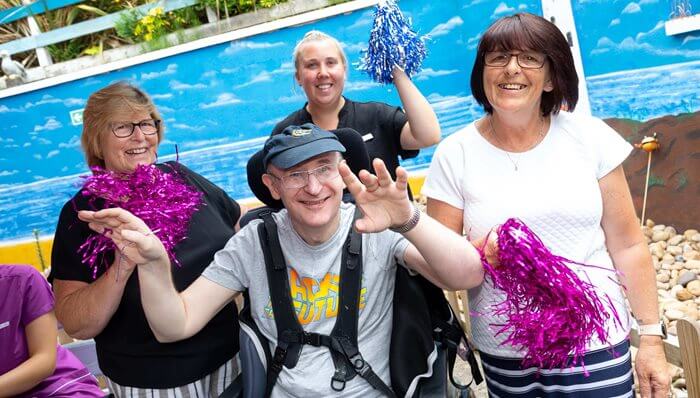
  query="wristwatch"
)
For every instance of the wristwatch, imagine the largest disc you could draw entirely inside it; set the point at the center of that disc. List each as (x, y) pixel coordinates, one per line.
(655, 329)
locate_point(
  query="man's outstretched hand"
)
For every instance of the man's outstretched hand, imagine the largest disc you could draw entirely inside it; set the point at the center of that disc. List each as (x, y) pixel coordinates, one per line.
(384, 202)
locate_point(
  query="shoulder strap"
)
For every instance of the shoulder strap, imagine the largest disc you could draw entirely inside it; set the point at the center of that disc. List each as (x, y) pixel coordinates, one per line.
(280, 296)
(348, 361)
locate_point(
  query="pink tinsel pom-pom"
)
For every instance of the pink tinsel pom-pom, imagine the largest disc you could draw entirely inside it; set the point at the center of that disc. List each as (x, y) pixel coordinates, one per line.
(551, 313)
(162, 200)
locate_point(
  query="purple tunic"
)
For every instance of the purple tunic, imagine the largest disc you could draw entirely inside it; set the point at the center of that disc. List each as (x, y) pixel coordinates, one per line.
(25, 296)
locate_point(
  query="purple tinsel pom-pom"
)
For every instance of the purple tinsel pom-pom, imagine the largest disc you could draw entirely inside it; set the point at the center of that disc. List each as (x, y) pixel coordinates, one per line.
(392, 43)
(551, 313)
(162, 200)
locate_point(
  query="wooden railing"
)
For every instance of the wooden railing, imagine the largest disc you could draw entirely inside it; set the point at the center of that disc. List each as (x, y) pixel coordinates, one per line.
(85, 28)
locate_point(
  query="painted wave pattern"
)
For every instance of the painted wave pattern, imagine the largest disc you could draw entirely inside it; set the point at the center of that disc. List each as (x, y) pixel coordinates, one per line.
(647, 93)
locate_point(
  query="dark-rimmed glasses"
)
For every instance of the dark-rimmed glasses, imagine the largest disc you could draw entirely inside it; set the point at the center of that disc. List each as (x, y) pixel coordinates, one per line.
(299, 179)
(526, 60)
(126, 129)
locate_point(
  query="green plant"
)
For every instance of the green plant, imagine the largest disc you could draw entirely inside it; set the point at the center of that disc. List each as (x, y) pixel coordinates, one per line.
(233, 7)
(126, 24)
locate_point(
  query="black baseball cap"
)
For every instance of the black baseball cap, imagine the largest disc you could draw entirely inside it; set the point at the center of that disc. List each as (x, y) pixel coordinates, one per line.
(297, 144)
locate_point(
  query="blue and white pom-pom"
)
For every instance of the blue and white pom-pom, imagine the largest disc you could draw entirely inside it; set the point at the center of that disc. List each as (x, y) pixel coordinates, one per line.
(392, 42)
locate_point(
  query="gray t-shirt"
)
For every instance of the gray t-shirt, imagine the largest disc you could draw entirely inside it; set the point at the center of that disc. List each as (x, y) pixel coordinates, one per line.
(314, 272)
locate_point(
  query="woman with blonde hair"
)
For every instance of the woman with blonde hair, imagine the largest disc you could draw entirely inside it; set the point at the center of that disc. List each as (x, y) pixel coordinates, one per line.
(121, 131)
(321, 70)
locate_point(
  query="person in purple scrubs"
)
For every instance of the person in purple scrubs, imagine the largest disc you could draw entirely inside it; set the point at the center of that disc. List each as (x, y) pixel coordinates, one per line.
(32, 363)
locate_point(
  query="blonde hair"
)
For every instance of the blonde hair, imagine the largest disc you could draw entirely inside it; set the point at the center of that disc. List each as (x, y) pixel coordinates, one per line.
(120, 97)
(316, 35)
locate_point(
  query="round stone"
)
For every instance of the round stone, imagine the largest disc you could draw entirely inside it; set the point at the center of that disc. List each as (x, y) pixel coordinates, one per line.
(694, 287)
(686, 277)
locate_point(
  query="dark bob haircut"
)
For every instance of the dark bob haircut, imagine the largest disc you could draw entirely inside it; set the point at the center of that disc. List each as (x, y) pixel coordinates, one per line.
(524, 31)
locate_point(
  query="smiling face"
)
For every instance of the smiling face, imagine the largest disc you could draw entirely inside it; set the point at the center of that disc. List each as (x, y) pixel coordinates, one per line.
(513, 89)
(123, 155)
(314, 208)
(320, 70)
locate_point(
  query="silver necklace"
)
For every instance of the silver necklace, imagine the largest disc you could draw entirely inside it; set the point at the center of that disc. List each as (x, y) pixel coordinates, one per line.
(517, 159)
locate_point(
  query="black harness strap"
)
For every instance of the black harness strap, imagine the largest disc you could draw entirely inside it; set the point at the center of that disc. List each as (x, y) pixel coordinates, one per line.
(342, 342)
(281, 298)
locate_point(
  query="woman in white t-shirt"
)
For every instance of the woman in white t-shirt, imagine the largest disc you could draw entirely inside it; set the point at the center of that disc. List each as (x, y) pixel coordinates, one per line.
(562, 175)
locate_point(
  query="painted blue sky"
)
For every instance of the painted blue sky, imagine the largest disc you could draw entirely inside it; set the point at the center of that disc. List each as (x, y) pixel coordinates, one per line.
(620, 35)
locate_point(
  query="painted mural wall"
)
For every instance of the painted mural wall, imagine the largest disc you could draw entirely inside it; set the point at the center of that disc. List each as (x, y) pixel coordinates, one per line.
(219, 109)
(642, 81)
(220, 103)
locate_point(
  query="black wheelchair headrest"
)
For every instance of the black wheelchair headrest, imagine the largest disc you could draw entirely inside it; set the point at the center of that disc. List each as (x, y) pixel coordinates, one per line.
(355, 155)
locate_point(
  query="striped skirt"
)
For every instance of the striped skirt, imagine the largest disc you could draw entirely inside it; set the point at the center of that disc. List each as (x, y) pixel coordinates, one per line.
(610, 375)
(210, 386)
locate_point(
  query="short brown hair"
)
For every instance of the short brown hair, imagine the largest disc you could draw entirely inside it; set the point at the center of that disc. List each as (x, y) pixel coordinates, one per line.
(524, 31)
(102, 106)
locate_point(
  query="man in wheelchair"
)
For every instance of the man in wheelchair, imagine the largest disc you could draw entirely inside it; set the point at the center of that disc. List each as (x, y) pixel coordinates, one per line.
(319, 348)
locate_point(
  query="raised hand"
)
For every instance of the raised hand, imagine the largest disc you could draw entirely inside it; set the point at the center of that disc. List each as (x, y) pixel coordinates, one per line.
(383, 202)
(130, 234)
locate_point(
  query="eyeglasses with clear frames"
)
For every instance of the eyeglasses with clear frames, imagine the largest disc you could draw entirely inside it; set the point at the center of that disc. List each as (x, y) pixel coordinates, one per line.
(526, 60)
(299, 179)
(126, 129)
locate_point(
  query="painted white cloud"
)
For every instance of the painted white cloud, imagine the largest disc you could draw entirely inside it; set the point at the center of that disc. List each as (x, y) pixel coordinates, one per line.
(292, 98)
(73, 142)
(657, 28)
(183, 126)
(689, 38)
(286, 68)
(27, 145)
(5, 109)
(6, 173)
(631, 45)
(51, 124)
(473, 3)
(522, 7)
(259, 78)
(501, 9)
(445, 28)
(37, 156)
(427, 73)
(177, 85)
(363, 21)
(42, 141)
(73, 102)
(45, 99)
(631, 8)
(614, 22)
(222, 100)
(169, 70)
(354, 47)
(229, 71)
(648, 2)
(165, 109)
(240, 45)
(209, 73)
(268, 123)
(48, 99)
(52, 153)
(360, 86)
(161, 96)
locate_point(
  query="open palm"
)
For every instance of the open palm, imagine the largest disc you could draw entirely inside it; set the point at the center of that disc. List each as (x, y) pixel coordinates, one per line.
(129, 233)
(383, 202)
